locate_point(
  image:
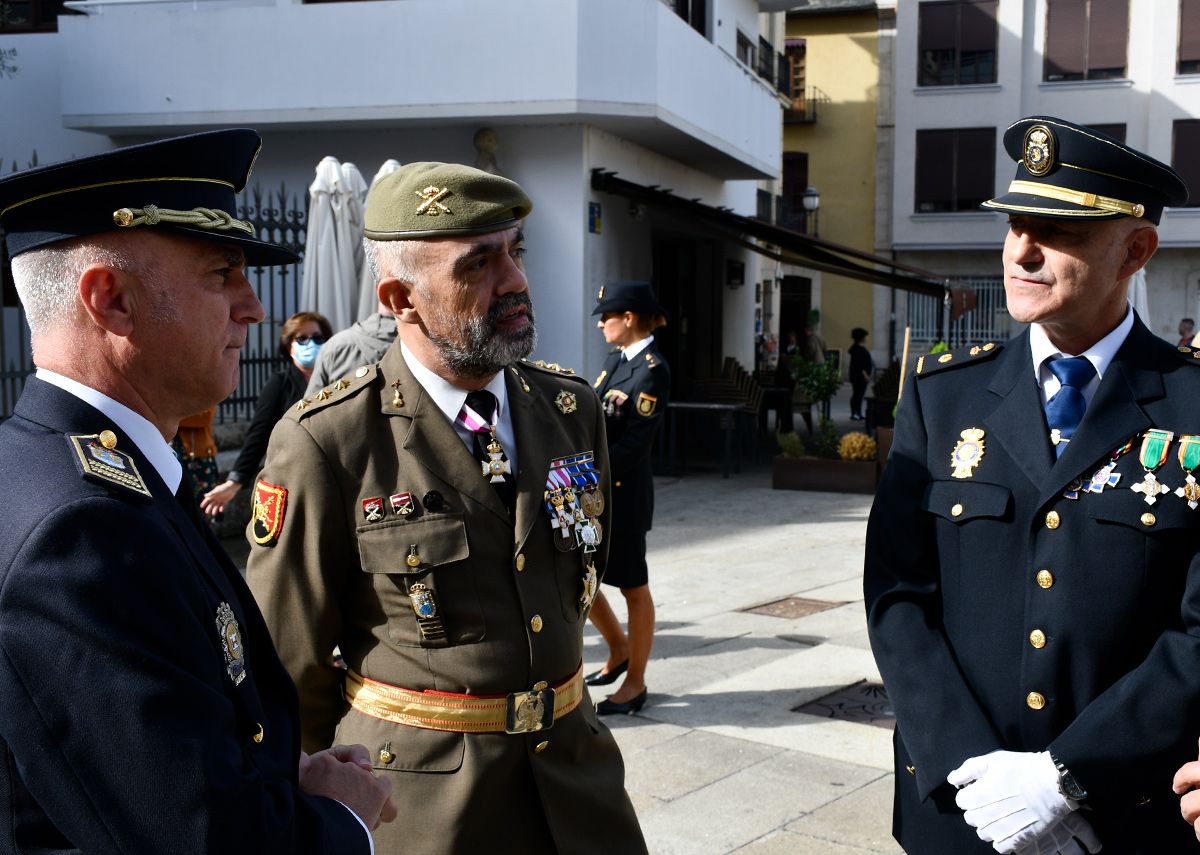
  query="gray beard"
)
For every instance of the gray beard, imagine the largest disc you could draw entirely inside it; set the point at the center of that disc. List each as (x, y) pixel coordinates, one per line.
(482, 350)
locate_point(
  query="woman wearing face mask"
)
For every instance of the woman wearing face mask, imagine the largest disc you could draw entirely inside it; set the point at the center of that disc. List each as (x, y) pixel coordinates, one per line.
(300, 340)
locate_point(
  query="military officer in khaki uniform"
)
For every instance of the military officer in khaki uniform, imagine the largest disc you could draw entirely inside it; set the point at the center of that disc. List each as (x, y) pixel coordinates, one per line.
(440, 518)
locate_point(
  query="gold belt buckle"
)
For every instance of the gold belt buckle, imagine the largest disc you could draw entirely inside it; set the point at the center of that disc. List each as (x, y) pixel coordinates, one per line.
(529, 712)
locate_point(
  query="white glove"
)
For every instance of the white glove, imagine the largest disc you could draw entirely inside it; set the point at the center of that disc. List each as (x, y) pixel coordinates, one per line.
(1070, 837)
(1010, 798)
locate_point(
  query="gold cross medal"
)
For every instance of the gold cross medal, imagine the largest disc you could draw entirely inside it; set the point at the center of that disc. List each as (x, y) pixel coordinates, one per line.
(498, 466)
(1189, 459)
(967, 453)
(1155, 446)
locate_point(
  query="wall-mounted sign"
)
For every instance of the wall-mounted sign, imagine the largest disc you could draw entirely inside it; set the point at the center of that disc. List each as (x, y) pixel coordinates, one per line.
(735, 273)
(594, 218)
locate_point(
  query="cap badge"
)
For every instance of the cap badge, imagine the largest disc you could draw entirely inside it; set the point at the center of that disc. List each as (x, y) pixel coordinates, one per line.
(433, 201)
(1039, 150)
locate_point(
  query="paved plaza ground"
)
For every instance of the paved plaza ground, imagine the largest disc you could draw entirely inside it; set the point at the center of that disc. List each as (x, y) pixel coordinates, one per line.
(720, 761)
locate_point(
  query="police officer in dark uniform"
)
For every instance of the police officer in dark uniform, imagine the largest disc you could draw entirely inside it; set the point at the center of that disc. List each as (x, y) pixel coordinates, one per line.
(1032, 578)
(633, 387)
(142, 706)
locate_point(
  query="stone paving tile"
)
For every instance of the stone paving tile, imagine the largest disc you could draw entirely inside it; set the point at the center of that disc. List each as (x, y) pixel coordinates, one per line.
(723, 816)
(862, 818)
(787, 843)
(638, 733)
(671, 769)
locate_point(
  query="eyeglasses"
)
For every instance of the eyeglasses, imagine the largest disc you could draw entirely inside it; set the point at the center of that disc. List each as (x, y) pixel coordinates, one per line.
(305, 339)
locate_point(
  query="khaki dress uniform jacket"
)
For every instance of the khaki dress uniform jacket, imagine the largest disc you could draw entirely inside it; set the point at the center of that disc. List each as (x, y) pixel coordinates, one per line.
(1012, 609)
(510, 603)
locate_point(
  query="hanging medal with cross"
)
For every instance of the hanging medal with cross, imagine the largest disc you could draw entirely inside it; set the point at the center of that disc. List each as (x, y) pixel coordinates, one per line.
(1189, 459)
(497, 465)
(1106, 475)
(1155, 446)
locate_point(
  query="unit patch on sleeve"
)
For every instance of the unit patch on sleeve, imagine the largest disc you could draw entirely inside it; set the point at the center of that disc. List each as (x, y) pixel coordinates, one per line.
(646, 403)
(270, 502)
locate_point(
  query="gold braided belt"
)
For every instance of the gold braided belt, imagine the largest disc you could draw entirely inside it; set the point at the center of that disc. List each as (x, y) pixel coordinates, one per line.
(519, 712)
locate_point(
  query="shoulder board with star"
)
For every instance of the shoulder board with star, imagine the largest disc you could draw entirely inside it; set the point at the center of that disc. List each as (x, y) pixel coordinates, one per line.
(101, 462)
(337, 391)
(932, 363)
(1189, 354)
(650, 360)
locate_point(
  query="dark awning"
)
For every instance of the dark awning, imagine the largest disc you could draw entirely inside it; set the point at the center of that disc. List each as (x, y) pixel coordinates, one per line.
(794, 247)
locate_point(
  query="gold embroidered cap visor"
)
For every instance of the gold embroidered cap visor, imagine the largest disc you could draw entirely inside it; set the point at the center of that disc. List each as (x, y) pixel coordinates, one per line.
(1069, 171)
(428, 200)
(186, 185)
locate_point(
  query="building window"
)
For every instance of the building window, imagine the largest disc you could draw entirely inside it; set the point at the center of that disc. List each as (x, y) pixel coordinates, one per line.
(957, 42)
(745, 49)
(795, 181)
(31, 16)
(695, 12)
(956, 169)
(1189, 37)
(1086, 39)
(1117, 132)
(1185, 156)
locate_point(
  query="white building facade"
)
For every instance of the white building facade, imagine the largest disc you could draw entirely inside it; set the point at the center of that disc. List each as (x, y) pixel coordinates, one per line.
(965, 69)
(661, 92)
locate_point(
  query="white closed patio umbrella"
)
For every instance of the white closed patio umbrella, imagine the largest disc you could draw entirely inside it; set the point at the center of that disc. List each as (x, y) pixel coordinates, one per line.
(329, 273)
(368, 302)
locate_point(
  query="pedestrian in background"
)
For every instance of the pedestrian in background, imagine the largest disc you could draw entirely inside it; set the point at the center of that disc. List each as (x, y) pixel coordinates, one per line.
(1187, 328)
(300, 341)
(143, 708)
(861, 368)
(1033, 553)
(634, 388)
(362, 343)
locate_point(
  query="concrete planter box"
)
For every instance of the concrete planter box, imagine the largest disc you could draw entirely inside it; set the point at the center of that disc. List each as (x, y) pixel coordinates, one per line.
(819, 474)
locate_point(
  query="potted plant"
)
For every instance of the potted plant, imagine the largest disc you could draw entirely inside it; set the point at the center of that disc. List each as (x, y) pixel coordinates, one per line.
(840, 464)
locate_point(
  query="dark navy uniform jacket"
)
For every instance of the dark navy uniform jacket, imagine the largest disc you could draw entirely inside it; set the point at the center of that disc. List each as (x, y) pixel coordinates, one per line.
(121, 729)
(1005, 615)
(634, 393)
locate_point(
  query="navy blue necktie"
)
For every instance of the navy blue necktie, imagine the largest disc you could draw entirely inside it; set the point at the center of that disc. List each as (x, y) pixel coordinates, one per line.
(1064, 411)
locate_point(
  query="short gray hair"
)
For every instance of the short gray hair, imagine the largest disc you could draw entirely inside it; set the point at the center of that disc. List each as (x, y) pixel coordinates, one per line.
(401, 259)
(47, 278)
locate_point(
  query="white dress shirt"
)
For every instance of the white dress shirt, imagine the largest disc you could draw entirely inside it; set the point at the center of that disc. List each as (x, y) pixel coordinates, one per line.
(1099, 354)
(139, 430)
(637, 347)
(450, 400)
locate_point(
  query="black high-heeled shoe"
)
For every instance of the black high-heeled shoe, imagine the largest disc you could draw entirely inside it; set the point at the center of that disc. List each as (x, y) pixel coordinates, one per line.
(635, 704)
(603, 678)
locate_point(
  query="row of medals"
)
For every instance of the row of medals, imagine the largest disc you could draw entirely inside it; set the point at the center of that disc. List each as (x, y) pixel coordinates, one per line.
(1155, 449)
(576, 517)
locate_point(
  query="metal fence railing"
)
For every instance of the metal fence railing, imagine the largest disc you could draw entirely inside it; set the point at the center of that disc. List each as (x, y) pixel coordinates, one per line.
(988, 321)
(277, 216)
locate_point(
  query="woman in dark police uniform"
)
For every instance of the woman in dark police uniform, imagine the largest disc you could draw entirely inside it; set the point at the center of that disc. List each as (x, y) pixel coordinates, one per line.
(633, 388)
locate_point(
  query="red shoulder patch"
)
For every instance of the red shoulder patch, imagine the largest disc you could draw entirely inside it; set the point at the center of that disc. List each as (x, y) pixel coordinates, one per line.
(270, 502)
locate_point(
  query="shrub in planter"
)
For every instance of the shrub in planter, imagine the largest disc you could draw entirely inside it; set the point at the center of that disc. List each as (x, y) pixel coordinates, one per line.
(856, 446)
(790, 444)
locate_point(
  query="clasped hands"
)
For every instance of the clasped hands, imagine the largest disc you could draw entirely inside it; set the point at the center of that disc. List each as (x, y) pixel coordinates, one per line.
(344, 773)
(1012, 800)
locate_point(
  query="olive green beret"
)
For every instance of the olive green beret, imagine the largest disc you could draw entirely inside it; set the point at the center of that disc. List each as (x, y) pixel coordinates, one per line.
(426, 200)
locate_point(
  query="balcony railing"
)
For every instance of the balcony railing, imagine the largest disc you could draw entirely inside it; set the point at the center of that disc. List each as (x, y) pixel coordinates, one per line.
(804, 107)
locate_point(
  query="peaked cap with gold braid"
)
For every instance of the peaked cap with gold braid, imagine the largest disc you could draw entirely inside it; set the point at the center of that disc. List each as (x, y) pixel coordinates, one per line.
(1069, 171)
(185, 185)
